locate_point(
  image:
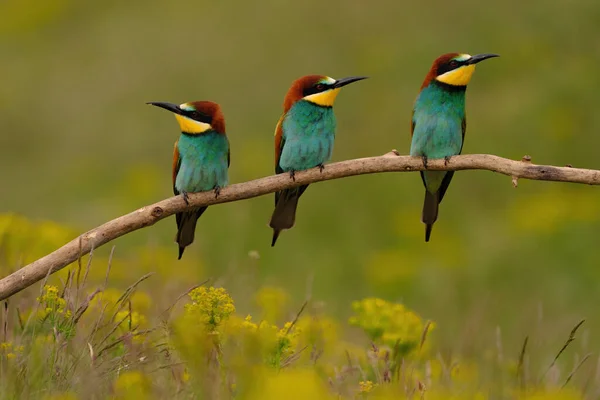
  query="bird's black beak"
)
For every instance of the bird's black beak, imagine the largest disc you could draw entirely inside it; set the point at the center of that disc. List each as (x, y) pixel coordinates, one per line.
(174, 108)
(346, 81)
(480, 57)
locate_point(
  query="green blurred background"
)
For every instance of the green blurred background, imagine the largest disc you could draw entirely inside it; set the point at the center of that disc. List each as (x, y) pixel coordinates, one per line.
(78, 146)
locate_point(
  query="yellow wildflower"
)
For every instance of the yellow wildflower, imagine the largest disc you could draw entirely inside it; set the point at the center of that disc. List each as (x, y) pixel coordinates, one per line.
(49, 294)
(211, 305)
(366, 386)
(237, 326)
(287, 338)
(286, 342)
(54, 312)
(9, 350)
(51, 302)
(249, 325)
(389, 324)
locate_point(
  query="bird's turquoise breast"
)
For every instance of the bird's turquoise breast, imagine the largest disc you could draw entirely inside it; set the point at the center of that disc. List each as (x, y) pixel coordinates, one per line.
(204, 162)
(308, 132)
(438, 117)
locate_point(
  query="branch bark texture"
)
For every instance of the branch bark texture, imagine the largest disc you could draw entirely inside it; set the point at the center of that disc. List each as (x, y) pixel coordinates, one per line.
(391, 162)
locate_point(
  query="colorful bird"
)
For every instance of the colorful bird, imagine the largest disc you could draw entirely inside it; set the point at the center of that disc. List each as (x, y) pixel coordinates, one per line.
(304, 138)
(200, 159)
(438, 124)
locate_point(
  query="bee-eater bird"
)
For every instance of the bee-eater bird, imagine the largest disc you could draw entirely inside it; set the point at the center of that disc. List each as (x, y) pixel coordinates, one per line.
(304, 138)
(438, 124)
(200, 159)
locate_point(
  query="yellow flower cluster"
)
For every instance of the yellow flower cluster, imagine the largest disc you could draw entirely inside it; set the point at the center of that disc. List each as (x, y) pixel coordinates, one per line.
(248, 324)
(277, 343)
(389, 324)
(237, 326)
(211, 305)
(366, 386)
(280, 343)
(10, 351)
(287, 340)
(52, 305)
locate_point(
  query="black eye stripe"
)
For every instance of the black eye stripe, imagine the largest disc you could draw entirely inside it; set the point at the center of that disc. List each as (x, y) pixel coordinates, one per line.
(199, 116)
(316, 88)
(449, 66)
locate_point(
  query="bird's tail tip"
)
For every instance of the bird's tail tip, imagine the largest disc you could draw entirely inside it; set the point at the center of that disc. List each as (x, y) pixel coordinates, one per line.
(430, 212)
(181, 250)
(428, 228)
(276, 233)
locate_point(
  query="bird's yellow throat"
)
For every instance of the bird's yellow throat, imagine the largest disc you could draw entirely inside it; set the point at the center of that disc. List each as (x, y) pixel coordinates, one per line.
(324, 99)
(191, 126)
(457, 77)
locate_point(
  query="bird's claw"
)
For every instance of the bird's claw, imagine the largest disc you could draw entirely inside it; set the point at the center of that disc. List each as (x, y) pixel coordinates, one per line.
(217, 191)
(293, 175)
(321, 168)
(447, 160)
(424, 158)
(186, 198)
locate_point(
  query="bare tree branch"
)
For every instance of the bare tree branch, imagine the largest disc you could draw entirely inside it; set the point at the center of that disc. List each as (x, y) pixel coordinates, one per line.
(391, 162)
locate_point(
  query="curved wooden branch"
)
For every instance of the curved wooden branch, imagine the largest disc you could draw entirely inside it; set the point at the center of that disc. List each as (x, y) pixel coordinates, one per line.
(391, 162)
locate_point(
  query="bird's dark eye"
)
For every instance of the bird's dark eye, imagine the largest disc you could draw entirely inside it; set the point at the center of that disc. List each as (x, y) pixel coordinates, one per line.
(320, 87)
(200, 116)
(453, 63)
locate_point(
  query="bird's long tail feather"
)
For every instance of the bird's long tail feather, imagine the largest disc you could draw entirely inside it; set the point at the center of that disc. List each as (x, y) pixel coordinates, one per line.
(186, 228)
(430, 212)
(284, 215)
